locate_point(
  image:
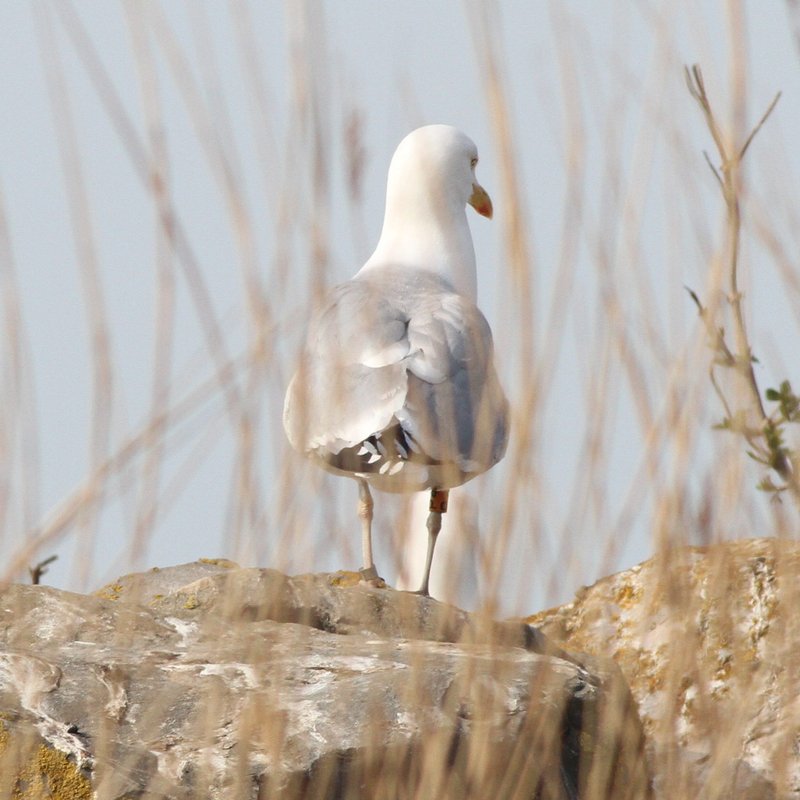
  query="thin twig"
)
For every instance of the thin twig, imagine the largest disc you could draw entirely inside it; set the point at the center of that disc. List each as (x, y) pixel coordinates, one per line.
(713, 169)
(761, 122)
(40, 569)
(729, 179)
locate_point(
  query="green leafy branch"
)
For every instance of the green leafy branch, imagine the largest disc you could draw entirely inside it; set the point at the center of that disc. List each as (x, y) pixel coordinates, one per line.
(764, 433)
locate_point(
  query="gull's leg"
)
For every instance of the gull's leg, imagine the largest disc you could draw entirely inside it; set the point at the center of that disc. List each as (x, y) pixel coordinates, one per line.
(365, 504)
(438, 506)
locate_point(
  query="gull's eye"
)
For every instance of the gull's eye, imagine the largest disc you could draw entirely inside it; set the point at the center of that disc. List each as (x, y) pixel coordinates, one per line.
(474, 162)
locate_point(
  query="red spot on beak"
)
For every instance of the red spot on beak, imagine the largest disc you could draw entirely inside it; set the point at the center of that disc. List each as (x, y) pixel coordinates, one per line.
(481, 201)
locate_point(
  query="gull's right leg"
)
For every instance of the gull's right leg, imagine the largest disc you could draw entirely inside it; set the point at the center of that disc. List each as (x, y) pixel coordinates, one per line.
(365, 505)
(438, 506)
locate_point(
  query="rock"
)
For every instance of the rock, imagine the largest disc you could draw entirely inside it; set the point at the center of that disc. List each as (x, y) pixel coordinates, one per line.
(208, 680)
(709, 641)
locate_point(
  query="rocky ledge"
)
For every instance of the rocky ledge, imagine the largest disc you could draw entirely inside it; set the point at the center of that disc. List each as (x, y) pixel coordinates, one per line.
(709, 642)
(209, 680)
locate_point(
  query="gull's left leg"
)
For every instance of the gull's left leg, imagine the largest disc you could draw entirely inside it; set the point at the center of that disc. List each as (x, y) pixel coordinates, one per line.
(438, 506)
(365, 505)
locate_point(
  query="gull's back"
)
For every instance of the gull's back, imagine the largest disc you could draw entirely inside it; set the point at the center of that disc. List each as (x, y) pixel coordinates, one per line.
(397, 384)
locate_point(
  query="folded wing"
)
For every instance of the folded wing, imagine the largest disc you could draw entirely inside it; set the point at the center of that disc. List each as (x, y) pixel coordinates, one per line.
(397, 383)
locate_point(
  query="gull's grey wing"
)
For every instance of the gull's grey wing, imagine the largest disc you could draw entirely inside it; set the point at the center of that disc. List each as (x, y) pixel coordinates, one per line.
(455, 407)
(351, 379)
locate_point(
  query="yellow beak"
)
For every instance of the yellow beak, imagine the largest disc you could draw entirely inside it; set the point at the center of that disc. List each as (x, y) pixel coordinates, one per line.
(481, 201)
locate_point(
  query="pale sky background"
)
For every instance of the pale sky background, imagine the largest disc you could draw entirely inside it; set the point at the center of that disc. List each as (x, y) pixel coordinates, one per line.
(244, 111)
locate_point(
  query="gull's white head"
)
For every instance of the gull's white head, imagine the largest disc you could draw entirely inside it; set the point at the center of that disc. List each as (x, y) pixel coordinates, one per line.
(436, 165)
(431, 181)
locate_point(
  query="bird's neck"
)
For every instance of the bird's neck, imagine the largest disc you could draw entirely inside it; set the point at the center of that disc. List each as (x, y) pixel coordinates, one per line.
(426, 239)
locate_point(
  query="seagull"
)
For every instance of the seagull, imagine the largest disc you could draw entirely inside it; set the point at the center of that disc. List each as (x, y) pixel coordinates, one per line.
(396, 385)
